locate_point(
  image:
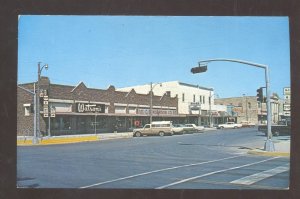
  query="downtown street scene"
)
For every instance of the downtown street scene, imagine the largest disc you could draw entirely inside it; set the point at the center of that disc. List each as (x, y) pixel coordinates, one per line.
(132, 102)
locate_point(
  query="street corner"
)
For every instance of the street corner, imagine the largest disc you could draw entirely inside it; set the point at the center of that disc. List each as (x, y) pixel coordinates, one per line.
(58, 140)
(262, 152)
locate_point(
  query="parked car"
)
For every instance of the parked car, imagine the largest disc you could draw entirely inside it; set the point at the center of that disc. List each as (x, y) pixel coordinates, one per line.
(195, 128)
(160, 128)
(178, 129)
(247, 124)
(229, 125)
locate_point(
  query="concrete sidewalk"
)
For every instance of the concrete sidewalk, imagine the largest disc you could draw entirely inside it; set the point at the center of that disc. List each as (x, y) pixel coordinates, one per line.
(281, 145)
(68, 139)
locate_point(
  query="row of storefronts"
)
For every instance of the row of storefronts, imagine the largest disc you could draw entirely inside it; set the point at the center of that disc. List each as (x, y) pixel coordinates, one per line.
(68, 110)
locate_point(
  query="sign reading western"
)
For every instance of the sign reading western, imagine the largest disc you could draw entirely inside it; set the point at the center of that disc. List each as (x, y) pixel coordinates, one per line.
(90, 108)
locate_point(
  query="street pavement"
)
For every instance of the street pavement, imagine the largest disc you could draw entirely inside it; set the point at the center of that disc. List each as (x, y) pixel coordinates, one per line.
(213, 159)
(281, 143)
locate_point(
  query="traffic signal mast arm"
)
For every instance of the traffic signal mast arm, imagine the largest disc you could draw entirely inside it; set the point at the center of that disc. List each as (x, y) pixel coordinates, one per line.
(269, 146)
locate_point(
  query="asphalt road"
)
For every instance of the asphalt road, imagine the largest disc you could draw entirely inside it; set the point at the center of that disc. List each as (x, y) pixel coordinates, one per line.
(210, 160)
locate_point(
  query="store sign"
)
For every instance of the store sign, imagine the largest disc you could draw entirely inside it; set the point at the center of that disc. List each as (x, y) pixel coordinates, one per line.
(43, 93)
(90, 108)
(286, 107)
(157, 112)
(195, 106)
(287, 91)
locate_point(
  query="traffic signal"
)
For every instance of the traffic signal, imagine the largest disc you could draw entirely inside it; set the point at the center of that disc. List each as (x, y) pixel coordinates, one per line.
(259, 95)
(199, 69)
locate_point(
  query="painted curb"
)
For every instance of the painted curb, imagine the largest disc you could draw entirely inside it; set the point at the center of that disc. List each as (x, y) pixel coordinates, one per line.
(266, 153)
(71, 140)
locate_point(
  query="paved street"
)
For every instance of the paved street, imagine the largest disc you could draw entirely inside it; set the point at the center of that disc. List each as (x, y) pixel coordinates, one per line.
(210, 160)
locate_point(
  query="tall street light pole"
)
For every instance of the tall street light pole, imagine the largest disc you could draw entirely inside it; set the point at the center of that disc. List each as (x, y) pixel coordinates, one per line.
(38, 94)
(269, 145)
(151, 99)
(210, 111)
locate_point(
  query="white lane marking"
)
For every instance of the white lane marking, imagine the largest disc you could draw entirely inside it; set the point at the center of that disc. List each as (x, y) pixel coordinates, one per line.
(156, 171)
(212, 173)
(248, 180)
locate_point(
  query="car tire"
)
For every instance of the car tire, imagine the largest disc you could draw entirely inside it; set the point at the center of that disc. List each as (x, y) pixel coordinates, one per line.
(161, 133)
(137, 134)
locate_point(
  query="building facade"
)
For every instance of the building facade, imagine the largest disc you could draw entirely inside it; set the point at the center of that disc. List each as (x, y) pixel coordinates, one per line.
(66, 110)
(195, 103)
(247, 108)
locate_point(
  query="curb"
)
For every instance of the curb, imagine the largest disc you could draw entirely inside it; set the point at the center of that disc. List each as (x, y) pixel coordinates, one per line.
(267, 153)
(70, 140)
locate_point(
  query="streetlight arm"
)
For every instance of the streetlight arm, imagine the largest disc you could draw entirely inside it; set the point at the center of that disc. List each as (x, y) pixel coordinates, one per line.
(234, 60)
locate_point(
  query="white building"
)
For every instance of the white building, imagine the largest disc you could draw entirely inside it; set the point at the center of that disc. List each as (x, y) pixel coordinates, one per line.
(193, 100)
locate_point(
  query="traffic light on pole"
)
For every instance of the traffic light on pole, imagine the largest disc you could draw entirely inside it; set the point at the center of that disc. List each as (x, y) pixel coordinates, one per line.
(259, 95)
(199, 69)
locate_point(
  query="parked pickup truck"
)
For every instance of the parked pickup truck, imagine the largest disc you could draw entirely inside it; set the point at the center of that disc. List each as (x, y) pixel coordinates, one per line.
(282, 128)
(160, 128)
(229, 125)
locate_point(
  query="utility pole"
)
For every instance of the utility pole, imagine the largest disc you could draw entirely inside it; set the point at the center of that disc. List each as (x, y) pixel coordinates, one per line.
(151, 99)
(38, 95)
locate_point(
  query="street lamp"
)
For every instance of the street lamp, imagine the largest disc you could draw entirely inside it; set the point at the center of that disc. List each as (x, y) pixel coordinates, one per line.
(151, 98)
(269, 145)
(210, 114)
(38, 94)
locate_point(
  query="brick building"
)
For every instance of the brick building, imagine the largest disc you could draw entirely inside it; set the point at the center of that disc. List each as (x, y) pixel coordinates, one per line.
(247, 108)
(79, 110)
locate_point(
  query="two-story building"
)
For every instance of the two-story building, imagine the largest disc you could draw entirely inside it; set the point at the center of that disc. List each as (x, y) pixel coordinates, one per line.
(247, 108)
(66, 109)
(195, 103)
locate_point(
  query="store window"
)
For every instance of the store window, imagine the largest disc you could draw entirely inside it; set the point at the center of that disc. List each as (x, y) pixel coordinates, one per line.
(27, 109)
(120, 109)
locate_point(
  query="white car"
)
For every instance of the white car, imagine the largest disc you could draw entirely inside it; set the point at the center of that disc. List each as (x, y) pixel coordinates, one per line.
(196, 128)
(229, 125)
(177, 129)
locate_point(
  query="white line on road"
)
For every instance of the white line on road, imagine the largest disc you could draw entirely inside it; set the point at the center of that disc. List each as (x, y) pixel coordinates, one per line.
(212, 173)
(156, 171)
(248, 180)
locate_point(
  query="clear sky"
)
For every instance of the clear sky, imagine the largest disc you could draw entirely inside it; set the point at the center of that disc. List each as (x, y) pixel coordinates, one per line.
(134, 50)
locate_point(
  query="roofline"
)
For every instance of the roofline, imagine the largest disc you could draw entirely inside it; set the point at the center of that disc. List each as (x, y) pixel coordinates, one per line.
(180, 83)
(195, 86)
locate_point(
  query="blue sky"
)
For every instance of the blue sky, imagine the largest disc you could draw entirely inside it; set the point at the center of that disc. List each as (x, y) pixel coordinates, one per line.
(134, 50)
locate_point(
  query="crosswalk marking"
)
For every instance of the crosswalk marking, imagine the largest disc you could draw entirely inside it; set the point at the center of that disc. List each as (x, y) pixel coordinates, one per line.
(248, 180)
(213, 173)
